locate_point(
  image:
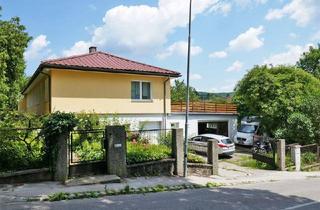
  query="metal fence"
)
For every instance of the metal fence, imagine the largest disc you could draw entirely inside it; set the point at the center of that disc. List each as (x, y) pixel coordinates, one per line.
(87, 146)
(21, 149)
(264, 150)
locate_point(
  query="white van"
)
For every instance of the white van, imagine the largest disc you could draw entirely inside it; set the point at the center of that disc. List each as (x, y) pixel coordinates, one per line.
(248, 128)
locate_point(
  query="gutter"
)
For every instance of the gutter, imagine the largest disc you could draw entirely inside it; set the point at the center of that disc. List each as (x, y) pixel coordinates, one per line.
(165, 102)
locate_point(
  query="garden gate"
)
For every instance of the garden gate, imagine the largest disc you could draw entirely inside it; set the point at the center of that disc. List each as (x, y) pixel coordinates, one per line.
(264, 150)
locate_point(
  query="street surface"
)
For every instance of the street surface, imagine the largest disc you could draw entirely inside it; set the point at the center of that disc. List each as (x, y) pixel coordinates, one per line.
(286, 195)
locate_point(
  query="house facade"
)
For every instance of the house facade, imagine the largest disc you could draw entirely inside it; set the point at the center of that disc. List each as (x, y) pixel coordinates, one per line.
(106, 84)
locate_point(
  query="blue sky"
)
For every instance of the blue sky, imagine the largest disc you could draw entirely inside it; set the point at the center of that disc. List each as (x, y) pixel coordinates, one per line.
(228, 37)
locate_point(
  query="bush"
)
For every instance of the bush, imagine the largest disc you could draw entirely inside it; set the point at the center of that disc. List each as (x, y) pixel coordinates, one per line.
(138, 152)
(194, 158)
(90, 151)
(308, 158)
(20, 148)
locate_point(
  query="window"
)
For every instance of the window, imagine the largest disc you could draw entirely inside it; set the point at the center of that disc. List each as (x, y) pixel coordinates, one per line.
(135, 90)
(140, 90)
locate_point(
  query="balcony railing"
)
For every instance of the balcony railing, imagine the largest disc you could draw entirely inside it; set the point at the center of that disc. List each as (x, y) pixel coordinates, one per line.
(206, 107)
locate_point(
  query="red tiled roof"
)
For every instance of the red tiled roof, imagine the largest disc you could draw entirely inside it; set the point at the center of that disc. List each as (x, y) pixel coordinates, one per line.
(101, 61)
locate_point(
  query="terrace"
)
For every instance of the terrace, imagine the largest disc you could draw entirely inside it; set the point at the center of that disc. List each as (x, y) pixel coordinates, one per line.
(204, 107)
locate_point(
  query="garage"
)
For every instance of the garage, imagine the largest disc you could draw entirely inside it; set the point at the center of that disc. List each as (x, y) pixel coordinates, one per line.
(220, 128)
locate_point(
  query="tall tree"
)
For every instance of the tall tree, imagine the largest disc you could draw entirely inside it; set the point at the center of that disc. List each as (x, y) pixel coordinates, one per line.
(310, 61)
(179, 90)
(285, 99)
(13, 42)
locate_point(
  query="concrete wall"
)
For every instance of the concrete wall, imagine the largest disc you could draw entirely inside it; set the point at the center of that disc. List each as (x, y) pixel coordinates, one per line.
(79, 91)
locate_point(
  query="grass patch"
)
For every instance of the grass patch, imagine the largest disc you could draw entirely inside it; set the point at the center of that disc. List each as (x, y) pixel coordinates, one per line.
(249, 162)
(127, 190)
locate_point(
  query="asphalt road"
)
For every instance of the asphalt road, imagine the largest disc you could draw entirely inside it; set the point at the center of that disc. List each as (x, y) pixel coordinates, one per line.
(303, 194)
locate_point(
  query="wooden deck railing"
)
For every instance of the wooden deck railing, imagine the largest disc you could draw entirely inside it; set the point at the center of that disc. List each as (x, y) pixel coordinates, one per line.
(206, 107)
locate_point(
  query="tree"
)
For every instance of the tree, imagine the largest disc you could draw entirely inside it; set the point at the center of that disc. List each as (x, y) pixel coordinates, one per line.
(13, 42)
(179, 90)
(310, 61)
(281, 96)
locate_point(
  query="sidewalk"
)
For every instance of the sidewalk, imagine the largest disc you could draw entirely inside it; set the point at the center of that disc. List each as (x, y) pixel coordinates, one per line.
(229, 175)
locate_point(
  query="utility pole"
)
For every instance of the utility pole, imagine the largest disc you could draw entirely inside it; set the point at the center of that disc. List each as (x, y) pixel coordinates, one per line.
(185, 163)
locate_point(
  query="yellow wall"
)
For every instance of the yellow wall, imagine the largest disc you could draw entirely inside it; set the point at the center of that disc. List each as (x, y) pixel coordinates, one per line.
(37, 98)
(78, 91)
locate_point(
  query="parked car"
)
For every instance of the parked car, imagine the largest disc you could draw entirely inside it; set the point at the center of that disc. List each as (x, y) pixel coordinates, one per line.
(199, 143)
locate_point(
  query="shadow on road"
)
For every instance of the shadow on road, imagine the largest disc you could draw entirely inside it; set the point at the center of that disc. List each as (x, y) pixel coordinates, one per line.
(219, 198)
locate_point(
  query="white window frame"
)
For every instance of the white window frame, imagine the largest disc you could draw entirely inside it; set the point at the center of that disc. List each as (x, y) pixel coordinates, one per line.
(140, 86)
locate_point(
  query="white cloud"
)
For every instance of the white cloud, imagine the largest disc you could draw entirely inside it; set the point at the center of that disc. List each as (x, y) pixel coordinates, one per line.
(228, 86)
(248, 40)
(80, 47)
(316, 36)
(222, 7)
(218, 54)
(236, 66)
(301, 11)
(179, 48)
(143, 28)
(293, 35)
(246, 3)
(291, 56)
(195, 77)
(37, 47)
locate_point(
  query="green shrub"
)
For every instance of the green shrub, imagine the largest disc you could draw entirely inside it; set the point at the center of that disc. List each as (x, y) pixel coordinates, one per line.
(194, 158)
(308, 158)
(89, 151)
(20, 149)
(166, 139)
(138, 152)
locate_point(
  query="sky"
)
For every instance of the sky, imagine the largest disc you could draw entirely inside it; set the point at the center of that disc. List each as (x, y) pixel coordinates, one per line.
(229, 37)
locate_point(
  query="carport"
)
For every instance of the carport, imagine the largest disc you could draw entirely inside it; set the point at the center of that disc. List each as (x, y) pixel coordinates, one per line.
(214, 127)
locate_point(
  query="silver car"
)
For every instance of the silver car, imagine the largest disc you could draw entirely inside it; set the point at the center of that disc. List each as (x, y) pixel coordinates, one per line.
(199, 143)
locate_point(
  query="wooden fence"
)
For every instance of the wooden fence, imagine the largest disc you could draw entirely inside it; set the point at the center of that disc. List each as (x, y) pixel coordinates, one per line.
(207, 107)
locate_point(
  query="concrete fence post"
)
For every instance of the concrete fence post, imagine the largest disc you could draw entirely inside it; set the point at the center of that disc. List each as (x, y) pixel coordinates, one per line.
(177, 150)
(297, 156)
(213, 155)
(116, 149)
(281, 154)
(61, 156)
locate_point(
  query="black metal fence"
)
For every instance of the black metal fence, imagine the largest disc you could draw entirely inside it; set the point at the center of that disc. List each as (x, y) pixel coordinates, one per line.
(264, 150)
(87, 146)
(21, 149)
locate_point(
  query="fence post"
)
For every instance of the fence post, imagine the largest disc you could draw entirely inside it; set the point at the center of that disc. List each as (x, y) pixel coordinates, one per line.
(297, 157)
(281, 154)
(213, 155)
(177, 150)
(116, 149)
(61, 161)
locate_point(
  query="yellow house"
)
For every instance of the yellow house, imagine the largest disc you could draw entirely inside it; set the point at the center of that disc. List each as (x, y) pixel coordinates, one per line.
(102, 83)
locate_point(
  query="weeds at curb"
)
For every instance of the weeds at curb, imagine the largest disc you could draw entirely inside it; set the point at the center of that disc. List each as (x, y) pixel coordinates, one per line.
(126, 190)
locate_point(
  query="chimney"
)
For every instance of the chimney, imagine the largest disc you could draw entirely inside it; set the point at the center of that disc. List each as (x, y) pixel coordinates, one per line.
(92, 49)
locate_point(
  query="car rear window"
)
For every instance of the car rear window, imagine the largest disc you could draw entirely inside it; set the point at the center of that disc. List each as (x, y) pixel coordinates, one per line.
(226, 141)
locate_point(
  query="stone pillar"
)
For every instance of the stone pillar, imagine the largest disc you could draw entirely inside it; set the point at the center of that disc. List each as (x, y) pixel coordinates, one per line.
(116, 149)
(177, 150)
(213, 155)
(296, 154)
(281, 154)
(61, 158)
